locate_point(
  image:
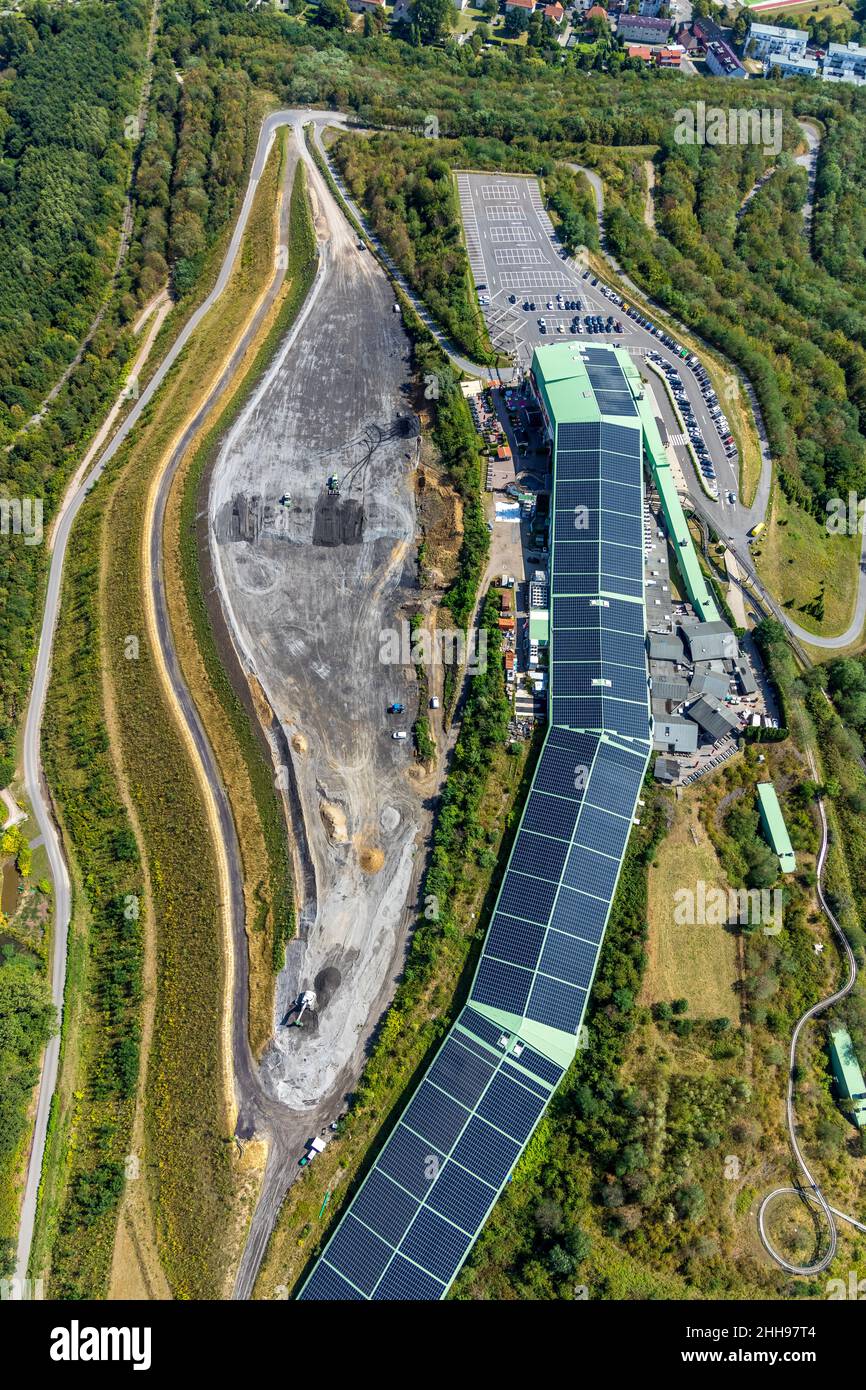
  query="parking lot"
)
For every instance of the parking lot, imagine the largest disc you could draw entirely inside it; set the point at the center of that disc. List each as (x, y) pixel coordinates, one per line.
(525, 281)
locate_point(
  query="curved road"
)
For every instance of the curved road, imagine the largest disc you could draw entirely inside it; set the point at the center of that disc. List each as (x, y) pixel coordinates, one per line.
(748, 517)
(257, 1109)
(34, 781)
(810, 1192)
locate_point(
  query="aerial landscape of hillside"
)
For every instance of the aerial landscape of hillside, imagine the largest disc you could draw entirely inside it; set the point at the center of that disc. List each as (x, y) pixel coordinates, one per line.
(432, 604)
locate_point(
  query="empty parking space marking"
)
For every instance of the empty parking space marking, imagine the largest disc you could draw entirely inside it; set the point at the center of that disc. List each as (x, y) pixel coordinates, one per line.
(500, 192)
(529, 280)
(519, 233)
(519, 255)
(505, 212)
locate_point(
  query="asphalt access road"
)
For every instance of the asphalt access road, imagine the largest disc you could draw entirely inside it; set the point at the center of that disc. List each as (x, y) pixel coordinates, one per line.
(514, 251)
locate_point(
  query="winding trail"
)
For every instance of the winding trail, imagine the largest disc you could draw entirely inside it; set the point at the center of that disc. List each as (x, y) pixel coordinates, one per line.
(257, 1110)
(36, 788)
(810, 1192)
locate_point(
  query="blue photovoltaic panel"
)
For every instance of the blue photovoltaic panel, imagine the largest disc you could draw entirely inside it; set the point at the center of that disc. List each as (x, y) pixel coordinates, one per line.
(616, 585)
(537, 1087)
(585, 493)
(326, 1284)
(625, 441)
(630, 720)
(405, 1282)
(486, 1153)
(435, 1244)
(358, 1254)
(568, 958)
(551, 815)
(534, 854)
(578, 523)
(480, 1026)
(503, 986)
(435, 1116)
(623, 617)
(510, 940)
(616, 468)
(625, 648)
(622, 560)
(582, 436)
(530, 898)
(624, 530)
(579, 644)
(626, 498)
(579, 914)
(579, 713)
(511, 1108)
(590, 872)
(557, 1005)
(384, 1207)
(407, 1159)
(627, 683)
(541, 1066)
(602, 829)
(557, 769)
(460, 1196)
(461, 1074)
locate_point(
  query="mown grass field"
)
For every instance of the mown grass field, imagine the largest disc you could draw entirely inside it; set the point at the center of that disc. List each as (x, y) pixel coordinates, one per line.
(693, 962)
(807, 569)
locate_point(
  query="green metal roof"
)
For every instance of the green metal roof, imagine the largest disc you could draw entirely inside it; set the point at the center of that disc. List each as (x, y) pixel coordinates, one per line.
(539, 624)
(846, 1069)
(774, 826)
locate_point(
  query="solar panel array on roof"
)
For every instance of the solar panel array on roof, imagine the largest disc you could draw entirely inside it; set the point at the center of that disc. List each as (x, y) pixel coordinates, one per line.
(414, 1219)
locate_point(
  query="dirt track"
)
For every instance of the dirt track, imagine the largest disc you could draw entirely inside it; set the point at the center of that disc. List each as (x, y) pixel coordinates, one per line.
(310, 580)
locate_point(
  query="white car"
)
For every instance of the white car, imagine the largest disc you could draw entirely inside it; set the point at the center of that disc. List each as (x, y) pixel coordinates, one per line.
(399, 733)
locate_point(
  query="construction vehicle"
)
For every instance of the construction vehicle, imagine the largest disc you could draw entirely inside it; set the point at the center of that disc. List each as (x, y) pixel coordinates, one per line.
(304, 1001)
(334, 485)
(396, 708)
(286, 499)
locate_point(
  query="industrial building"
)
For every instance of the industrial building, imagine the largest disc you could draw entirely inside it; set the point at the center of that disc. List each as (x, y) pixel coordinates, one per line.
(848, 1076)
(415, 1217)
(774, 827)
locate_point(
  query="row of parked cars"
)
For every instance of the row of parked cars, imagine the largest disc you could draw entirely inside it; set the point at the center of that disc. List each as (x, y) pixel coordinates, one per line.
(701, 452)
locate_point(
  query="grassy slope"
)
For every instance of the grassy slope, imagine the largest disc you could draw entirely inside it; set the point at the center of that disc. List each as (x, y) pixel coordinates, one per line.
(247, 772)
(187, 1162)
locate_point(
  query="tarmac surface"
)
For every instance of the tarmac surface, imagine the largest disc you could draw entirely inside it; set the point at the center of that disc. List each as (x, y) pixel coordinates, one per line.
(514, 250)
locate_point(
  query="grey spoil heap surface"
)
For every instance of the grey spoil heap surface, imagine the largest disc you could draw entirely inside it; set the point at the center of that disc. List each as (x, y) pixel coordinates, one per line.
(311, 581)
(413, 1221)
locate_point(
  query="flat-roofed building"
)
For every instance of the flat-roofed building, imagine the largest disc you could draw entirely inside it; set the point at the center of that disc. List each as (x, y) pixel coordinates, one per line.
(790, 65)
(848, 1075)
(764, 39)
(774, 827)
